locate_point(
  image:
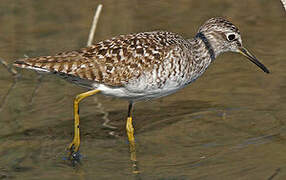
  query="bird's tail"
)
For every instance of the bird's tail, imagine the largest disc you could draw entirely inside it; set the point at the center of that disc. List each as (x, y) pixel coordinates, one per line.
(31, 63)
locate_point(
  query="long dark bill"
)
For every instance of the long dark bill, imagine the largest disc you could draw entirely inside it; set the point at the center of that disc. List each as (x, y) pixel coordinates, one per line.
(253, 59)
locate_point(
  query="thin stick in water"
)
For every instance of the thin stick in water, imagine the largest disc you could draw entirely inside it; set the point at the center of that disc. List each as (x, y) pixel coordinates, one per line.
(284, 4)
(9, 68)
(16, 76)
(94, 23)
(100, 108)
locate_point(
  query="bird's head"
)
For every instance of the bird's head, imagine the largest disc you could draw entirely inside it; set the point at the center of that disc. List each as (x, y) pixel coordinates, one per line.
(223, 36)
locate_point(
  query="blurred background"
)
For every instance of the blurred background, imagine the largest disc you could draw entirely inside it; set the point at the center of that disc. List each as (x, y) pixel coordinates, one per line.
(230, 123)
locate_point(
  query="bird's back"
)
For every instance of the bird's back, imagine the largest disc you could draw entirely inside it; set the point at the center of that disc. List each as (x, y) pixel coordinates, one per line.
(112, 62)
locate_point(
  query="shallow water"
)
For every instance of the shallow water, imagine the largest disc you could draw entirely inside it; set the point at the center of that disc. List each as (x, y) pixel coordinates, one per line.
(229, 124)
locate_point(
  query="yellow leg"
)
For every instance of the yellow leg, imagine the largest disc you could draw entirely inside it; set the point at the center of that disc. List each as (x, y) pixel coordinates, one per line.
(130, 134)
(130, 130)
(74, 146)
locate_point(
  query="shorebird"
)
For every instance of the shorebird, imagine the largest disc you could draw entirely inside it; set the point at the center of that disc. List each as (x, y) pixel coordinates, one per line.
(140, 66)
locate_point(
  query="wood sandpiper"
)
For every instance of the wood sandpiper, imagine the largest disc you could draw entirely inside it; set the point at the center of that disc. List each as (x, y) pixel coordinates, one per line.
(140, 66)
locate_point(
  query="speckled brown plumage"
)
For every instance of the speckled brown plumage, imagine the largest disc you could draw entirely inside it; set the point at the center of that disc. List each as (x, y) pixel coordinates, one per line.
(112, 62)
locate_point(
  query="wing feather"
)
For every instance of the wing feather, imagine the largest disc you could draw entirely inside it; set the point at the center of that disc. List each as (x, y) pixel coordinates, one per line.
(111, 62)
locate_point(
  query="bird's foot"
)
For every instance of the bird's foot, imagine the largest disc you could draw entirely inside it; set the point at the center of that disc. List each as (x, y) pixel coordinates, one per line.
(74, 156)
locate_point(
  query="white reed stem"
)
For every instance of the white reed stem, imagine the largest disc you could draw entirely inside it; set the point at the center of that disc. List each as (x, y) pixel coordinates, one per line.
(94, 23)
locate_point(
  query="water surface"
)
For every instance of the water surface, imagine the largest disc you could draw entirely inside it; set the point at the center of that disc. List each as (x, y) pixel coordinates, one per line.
(229, 124)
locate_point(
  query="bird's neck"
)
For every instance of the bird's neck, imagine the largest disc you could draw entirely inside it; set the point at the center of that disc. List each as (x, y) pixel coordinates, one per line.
(201, 55)
(207, 45)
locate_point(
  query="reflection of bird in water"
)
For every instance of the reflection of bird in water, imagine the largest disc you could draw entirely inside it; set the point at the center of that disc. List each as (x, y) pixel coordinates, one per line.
(140, 66)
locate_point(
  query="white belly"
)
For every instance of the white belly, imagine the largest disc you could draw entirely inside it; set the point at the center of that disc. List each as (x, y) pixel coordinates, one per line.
(149, 85)
(140, 90)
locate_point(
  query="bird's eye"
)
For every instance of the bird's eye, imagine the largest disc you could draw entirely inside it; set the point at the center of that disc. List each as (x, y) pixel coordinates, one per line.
(230, 37)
